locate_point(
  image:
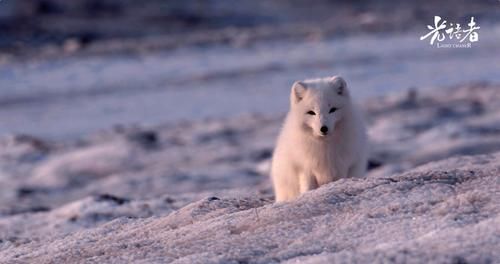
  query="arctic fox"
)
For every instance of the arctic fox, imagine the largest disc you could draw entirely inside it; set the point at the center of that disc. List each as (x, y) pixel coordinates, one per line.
(322, 140)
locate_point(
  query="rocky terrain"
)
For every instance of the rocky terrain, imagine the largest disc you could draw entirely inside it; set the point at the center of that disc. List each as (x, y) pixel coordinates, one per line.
(198, 191)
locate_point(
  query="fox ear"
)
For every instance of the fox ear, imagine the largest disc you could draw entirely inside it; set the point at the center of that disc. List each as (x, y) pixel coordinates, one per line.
(339, 84)
(298, 91)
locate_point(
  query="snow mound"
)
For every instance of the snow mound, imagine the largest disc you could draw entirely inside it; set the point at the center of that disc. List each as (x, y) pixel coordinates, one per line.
(444, 211)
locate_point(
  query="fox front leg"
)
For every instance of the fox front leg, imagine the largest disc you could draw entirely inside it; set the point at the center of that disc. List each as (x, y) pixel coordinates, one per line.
(307, 182)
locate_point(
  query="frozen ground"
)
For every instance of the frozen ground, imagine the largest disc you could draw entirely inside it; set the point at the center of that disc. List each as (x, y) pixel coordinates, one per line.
(198, 192)
(73, 96)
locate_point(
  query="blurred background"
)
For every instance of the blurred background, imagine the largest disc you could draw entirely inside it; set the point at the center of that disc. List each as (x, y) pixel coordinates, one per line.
(68, 68)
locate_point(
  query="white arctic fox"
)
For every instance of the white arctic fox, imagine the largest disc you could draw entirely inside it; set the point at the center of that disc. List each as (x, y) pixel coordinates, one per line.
(322, 140)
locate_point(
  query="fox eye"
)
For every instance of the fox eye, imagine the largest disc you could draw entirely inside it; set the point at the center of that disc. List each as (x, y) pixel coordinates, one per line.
(311, 113)
(333, 109)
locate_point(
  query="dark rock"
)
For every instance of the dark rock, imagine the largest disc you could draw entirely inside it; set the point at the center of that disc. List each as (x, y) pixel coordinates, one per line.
(26, 191)
(226, 134)
(37, 209)
(147, 139)
(86, 38)
(169, 200)
(47, 7)
(112, 198)
(411, 100)
(103, 8)
(34, 209)
(373, 164)
(34, 142)
(261, 155)
(477, 107)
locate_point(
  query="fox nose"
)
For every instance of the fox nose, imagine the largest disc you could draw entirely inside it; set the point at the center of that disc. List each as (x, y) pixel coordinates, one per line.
(324, 130)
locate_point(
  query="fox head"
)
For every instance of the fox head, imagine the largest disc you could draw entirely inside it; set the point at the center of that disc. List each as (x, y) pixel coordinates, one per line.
(319, 105)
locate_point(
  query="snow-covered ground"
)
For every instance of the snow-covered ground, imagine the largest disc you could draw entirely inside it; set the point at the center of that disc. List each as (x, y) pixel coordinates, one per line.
(73, 96)
(199, 191)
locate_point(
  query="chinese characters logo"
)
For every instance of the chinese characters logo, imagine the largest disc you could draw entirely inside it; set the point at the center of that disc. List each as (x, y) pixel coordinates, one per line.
(462, 37)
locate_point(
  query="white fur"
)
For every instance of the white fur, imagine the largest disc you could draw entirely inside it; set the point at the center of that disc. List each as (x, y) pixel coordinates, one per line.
(304, 159)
